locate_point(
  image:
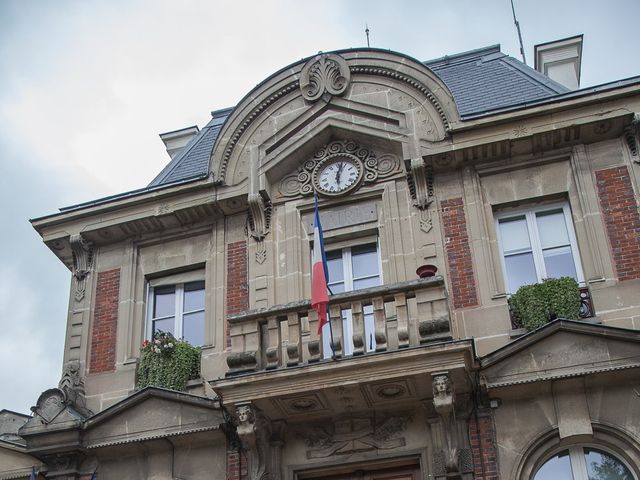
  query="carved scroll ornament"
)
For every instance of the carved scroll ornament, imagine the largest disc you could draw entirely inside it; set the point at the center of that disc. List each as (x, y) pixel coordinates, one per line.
(324, 73)
(259, 221)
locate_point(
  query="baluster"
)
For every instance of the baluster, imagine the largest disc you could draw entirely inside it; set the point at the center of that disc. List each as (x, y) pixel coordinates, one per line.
(403, 320)
(359, 334)
(273, 343)
(335, 313)
(314, 346)
(293, 348)
(380, 323)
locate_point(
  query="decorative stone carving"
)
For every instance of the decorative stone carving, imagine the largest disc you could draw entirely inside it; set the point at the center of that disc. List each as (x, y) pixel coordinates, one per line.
(420, 179)
(444, 405)
(374, 167)
(324, 73)
(82, 251)
(242, 362)
(54, 408)
(354, 434)
(632, 137)
(254, 433)
(259, 221)
(72, 384)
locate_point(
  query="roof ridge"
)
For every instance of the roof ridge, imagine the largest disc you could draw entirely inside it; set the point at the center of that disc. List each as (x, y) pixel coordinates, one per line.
(462, 57)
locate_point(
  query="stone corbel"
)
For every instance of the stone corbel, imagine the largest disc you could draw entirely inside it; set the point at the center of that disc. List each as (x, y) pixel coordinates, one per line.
(420, 177)
(451, 461)
(632, 137)
(259, 221)
(253, 432)
(82, 263)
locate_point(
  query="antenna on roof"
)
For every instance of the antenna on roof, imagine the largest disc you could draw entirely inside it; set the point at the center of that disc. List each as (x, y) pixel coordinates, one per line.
(515, 20)
(366, 31)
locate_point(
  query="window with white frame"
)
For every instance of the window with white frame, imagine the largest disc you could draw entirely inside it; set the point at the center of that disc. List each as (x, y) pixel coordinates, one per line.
(538, 243)
(177, 308)
(584, 463)
(353, 268)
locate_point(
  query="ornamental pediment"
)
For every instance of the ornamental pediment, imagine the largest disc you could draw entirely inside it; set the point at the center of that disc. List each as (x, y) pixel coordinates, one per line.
(149, 414)
(562, 349)
(382, 95)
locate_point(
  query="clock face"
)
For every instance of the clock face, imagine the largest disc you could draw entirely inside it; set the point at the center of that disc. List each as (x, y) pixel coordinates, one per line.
(337, 174)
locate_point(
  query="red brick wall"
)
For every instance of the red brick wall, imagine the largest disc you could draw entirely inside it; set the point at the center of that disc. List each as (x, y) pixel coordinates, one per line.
(483, 448)
(105, 320)
(622, 219)
(237, 285)
(236, 466)
(461, 274)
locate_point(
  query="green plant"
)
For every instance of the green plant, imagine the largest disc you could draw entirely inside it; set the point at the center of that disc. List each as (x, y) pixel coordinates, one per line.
(167, 362)
(534, 305)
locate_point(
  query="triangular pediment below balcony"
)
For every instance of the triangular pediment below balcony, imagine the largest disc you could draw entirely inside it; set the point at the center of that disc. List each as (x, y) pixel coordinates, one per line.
(562, 349)
(151, 414)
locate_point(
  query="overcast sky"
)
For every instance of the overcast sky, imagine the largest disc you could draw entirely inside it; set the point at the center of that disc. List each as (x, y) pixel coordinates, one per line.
(87, 86)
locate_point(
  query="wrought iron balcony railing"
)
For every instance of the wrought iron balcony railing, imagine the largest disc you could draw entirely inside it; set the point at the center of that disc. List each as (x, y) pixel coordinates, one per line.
(383, 318)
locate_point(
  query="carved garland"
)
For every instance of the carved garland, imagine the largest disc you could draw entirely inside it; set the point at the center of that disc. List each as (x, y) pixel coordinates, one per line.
(329, 77)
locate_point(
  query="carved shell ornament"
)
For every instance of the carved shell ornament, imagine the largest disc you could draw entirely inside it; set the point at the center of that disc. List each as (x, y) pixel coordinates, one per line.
(324, 73)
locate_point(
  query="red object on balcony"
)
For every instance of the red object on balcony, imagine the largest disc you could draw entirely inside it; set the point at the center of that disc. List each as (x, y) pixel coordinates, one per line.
(425, 271)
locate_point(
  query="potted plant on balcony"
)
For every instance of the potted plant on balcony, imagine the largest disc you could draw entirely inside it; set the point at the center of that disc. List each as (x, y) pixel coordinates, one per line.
(167, 362)
(534, 305)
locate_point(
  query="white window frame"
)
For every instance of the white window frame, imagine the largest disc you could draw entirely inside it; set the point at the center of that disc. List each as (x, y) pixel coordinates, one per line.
(178, 310)
(534, 237)
(347, 275)
(578, 462)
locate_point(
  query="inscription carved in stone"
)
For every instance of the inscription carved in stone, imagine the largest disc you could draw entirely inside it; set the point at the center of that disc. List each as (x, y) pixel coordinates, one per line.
(345, 216)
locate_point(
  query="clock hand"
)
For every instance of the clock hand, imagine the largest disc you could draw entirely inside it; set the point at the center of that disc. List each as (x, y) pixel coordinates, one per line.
(340, 167)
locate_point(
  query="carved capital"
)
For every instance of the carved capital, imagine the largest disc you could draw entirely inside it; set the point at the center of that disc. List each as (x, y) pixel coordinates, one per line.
(324, 73)
(420, 177)
(82, 251)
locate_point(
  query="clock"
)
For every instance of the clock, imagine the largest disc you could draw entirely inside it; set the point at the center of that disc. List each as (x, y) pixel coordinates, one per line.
(337, 174)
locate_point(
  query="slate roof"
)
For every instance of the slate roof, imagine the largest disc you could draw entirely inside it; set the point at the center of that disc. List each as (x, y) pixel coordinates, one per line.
(481, 81)
(193, 159)
(487, 79)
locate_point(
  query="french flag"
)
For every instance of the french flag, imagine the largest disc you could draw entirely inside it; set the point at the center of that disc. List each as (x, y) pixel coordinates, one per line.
(319, 274)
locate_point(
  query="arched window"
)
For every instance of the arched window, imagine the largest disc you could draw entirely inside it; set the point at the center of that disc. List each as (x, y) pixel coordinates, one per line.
(583, 463)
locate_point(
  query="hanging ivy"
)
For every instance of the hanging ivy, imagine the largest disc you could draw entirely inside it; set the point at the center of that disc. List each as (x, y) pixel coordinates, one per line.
(167, 362)
(535, 305)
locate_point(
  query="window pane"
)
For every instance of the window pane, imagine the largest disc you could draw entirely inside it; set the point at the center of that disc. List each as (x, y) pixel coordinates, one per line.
(552, 228)
(193, 296)
(193, 328)
(559, 263)
(166, 325)
(556, 468)
(514, 234)
(334, 265)
(520, 271)
(366, 283)
(604, 466)
(364, 261)
(336, 288)
(164, 301)
(369, 328)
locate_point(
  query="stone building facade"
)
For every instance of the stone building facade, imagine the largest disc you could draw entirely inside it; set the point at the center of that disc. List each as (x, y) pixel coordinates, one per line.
(474, 164)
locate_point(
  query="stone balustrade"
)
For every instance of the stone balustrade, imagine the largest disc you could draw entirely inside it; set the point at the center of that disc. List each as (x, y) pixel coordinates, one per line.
(400, 315)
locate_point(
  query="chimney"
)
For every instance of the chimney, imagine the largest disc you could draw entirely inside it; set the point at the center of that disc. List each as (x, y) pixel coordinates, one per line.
(560, 60)
(178, 139)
